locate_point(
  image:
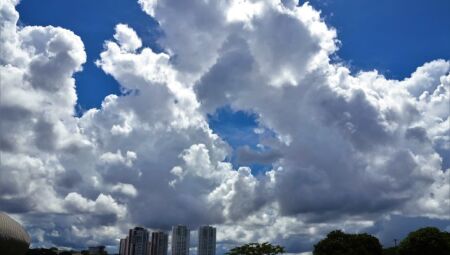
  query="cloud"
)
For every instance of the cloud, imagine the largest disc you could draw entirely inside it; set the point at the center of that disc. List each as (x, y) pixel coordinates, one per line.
(247, 156)
(104, 204)
(127, 38)
(38, 94)
(346, 141)
(125, 189)
(347, 150)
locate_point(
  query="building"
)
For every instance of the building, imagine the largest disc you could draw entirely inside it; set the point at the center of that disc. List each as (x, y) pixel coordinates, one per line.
(14, 240)
(180, 240)
(123, 247)
(136, 243)
(206, 240)
(97, 250)
(138, 240)
(159, 243)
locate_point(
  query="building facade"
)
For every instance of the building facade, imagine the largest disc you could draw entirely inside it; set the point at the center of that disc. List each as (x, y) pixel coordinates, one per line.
(136, 243)
(97, 250)
(180, 240)
(206, 240)
(123, 247)
(159, 243)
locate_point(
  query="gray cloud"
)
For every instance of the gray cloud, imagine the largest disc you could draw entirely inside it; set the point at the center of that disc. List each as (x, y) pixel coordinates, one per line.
(246, 156)
(347, 150)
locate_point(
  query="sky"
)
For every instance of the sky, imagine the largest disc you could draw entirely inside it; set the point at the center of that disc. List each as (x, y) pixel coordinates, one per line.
(273, 121)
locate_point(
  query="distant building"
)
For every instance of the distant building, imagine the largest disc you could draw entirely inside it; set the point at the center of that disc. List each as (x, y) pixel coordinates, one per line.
(180, 240)
(97, 250)
(159, 243)
(149, 248)
(206, 240)
(123, 247)
(136, 243)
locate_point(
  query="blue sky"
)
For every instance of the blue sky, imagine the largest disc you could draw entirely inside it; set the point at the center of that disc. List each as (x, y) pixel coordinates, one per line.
(328, 144)
(94, 22)
(390, 36)
(393, 37)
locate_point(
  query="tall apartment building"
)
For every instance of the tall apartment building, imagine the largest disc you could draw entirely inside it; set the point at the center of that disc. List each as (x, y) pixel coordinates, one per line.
(136, 243)
(96, 250)
(123, 247)
(206, 240)
(159, 243)
(180, 240)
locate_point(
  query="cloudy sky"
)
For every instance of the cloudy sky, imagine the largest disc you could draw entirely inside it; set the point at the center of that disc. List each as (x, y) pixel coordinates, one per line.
(271, 120)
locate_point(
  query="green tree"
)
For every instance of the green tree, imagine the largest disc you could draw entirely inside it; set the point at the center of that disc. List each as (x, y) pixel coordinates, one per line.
(427, 240)
(340, 243)
(390, 251)
(42, 251)
(256, 249)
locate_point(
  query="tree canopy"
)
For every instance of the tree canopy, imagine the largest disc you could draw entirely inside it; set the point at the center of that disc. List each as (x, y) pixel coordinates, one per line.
(427, 240)
(42, 251)
(340, 243)
(256, 249)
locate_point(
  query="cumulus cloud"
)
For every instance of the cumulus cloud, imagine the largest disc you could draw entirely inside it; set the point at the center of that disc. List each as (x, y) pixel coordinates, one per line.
(38, 94)
(45, 156)
(346, 141)
(127, 38)
(347, 150)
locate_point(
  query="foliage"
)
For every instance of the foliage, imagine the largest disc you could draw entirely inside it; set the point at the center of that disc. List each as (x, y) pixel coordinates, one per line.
(54, 251)
(390, 251)
(256, 249)
(340, 243)
(427, 240)
(41, 251)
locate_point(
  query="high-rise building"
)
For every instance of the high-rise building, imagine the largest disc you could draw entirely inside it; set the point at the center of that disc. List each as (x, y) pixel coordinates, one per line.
(139, 239)
(180, 240)
(136, 243)
(123, 248)
(159, 243)
(149, 248)
(97, 250)
(206, 240)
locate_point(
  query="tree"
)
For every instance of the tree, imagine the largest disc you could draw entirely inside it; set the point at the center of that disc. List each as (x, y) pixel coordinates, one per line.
(340, 243)
(390, 251)
(42, 251)
(256, 249)
(427, 240)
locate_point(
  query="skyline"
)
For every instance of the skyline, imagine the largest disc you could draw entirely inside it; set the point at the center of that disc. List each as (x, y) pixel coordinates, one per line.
(271, 120)
(140, 242)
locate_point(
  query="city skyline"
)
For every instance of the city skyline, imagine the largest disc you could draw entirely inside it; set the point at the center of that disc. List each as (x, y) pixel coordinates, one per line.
(140, 241)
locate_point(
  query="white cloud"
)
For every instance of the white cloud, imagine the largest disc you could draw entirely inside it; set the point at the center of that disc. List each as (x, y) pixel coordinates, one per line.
(373, 131)
(126, 189)
(104, 204)
(127, 38)
(118, 158)
(243, 11)
(347, 150)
